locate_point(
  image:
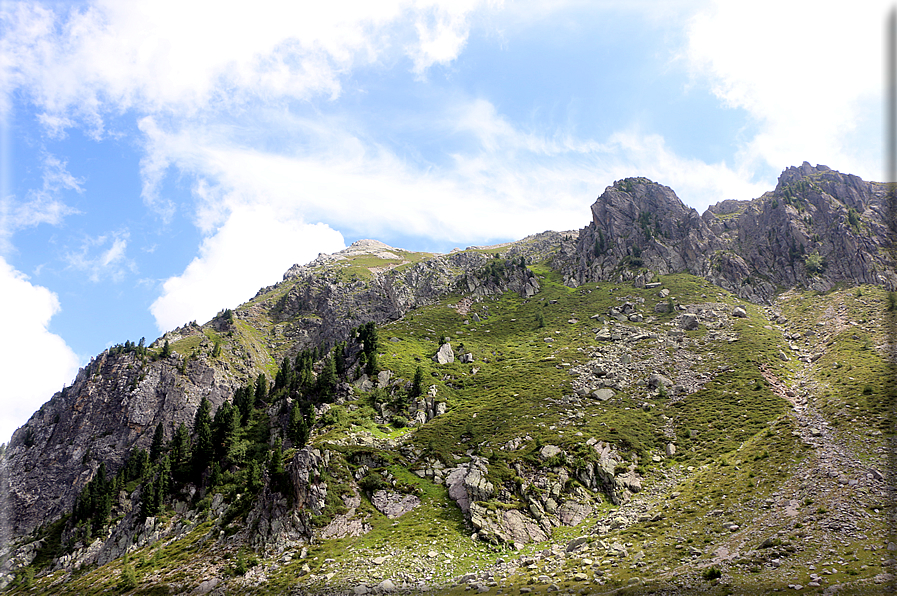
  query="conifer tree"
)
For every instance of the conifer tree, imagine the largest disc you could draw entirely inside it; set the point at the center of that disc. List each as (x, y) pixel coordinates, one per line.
(244, 399)
(298, 429)
(261, 390)
(158, 443)
(327, 381)
(417, 382)
(180, 445)
(202, 448)
(224, 428)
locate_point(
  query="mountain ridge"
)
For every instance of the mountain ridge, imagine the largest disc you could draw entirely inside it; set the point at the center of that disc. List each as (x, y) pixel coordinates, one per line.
(821, 230)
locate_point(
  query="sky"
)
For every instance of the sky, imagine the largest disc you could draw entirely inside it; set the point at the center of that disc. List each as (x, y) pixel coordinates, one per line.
(161, 160)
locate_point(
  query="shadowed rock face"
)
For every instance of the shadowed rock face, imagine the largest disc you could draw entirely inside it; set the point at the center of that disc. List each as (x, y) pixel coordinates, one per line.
(113, 405)
(817, 228)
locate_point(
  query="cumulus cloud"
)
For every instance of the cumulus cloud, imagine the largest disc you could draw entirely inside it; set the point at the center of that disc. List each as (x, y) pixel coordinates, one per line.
(253, 248)
(36, 362)
(807, 74)
(108, 56)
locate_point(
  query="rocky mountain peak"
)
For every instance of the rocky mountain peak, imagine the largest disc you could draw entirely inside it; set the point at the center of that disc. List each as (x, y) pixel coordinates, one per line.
(793, 174)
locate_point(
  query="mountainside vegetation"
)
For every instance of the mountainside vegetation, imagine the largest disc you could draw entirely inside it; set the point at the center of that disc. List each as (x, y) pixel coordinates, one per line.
(661, 402)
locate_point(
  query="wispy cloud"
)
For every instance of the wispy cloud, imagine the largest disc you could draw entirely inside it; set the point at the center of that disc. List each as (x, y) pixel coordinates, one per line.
(103, 257)
(40, 206)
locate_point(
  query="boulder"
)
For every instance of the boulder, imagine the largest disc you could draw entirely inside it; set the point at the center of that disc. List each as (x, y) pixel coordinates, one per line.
(466, 358)
(392, 504)
(688, 321)
(603, 394)
(739, 312)
(657, 380)
(549, 451)
(445, 355)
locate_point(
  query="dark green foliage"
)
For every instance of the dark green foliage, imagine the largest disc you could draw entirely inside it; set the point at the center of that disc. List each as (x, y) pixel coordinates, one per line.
(853, 219)
(815, 263)
(372, 367)
(416, 384)
(95, 502)
(496, 270)
(892, 301)
(327, 380)
(166, 350)
(284, 375)
(203, 449)
(224, 429)
(540, 319)
(712, 573)
(244, 398)
(180, 447)
(298, 428)
(369, 336)
(601, 245)
(216, 351)
(261, 390)
(339, 356)
(308, 412)
(158, 444)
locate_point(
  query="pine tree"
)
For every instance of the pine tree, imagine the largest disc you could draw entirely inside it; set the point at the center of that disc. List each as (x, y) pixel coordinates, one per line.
(158, 442)
(261, 390)
(166, 350)
(298, 429)
(372, 367)
(327, 381)
(244, 398)
(203, 448)
(339, 355)
(282, 379)
(417, 382)
(180, 446)
(224, 428)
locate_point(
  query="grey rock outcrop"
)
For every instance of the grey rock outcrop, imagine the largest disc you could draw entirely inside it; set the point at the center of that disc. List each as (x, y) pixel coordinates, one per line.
(817, 228)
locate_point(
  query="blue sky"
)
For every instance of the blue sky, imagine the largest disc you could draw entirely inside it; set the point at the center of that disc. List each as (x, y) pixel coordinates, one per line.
(163, 160)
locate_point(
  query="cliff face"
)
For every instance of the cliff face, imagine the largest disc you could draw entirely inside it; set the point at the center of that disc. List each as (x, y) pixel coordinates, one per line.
(116, 402)
(817, 228)
(113, 405)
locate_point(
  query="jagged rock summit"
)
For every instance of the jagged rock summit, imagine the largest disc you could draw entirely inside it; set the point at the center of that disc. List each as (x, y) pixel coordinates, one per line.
(817, 228)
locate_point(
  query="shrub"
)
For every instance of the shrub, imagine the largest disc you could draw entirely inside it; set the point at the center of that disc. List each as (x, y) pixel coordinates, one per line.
(712, 573)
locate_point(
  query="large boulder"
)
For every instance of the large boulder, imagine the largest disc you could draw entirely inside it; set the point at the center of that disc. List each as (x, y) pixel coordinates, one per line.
(445, 355)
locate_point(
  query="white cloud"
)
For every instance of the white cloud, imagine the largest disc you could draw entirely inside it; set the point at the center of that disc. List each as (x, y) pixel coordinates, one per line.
(167, 55)
(507, 183)
(41, 205)
(251, 250)
(103, 257)
(807, 73)
(34, 363)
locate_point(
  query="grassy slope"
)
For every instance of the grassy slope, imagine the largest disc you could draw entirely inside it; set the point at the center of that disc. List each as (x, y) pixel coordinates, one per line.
(736, 441)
